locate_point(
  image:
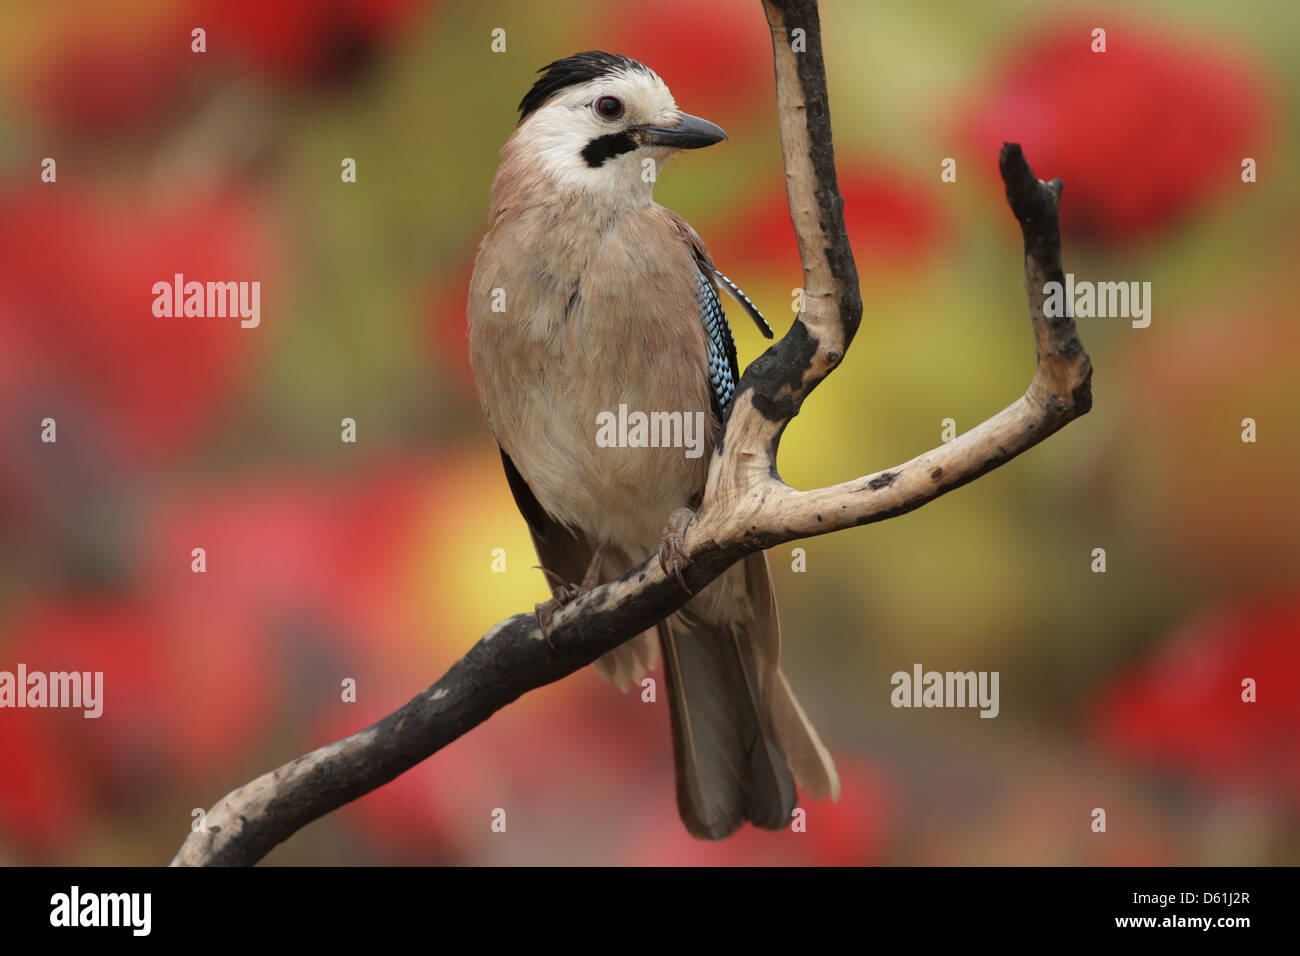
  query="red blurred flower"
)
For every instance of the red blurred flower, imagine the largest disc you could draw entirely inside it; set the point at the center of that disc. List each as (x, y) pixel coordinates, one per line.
(305, 40)
(716, 57)
(303, 586)
(1141, 134)
(1183, 709)
(111, 74)
(290, 553)
(42, 797)
(891, 224)
(105, 77)
(179, 700)
(76, 306)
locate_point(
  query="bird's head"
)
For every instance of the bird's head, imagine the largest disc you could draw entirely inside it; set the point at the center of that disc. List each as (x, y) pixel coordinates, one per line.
(604, 125)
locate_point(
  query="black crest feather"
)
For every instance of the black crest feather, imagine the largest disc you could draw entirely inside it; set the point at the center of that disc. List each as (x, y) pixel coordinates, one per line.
(572, 71)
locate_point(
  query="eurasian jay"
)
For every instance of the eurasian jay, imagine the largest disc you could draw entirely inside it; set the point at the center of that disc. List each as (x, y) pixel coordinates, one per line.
(586, 296)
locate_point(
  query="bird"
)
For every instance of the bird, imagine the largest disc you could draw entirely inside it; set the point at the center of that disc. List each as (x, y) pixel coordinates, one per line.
(587, 298)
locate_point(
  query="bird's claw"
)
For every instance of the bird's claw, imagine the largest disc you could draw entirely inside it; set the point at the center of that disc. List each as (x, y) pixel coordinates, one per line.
(672, 554)
(559, 582)
(544, 613)
(562, 594)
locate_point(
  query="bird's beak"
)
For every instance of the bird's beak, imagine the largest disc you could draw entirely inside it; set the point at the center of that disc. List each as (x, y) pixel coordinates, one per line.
(691, 133)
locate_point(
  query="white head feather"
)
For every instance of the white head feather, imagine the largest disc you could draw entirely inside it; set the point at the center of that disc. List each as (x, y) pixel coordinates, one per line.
(553, 137)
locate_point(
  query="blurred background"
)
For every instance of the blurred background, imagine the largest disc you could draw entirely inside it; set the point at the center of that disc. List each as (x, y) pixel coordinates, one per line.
(372, 560)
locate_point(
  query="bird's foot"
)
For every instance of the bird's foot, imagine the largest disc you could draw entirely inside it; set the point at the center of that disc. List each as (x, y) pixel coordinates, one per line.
(544, 613)
(672, 555)
(563, 592)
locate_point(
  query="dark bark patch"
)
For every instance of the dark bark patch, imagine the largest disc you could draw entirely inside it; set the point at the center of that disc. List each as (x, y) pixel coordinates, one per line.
(776, 378)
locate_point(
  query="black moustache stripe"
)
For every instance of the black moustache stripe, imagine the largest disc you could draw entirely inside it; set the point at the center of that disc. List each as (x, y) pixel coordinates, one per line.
(604, 148)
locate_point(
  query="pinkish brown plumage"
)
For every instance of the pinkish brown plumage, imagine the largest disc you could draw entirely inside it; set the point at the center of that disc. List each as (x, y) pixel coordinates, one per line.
(588, 296)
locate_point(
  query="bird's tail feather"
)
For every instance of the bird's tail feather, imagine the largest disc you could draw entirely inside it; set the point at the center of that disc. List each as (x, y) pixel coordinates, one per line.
(809, 760)
(740, 738)
(628, 663)
(729, 769)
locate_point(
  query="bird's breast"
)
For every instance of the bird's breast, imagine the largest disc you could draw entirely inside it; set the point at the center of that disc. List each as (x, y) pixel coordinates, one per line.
(589, 355)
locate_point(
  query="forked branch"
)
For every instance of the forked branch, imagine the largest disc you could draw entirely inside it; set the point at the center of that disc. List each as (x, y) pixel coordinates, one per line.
(746, 507)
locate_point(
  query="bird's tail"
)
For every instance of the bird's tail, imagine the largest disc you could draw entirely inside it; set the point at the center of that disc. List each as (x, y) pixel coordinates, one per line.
(740, 738)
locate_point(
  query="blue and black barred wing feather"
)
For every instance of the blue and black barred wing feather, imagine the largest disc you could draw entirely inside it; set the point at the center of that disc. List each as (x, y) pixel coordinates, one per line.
(746, 304)
(723, 369)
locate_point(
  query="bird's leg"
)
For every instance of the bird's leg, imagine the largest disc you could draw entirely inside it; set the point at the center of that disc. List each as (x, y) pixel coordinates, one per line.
(563, 592)
(592, 577)
(672, 556)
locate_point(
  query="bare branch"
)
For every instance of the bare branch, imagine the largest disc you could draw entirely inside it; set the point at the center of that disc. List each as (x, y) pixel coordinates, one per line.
(746, 506)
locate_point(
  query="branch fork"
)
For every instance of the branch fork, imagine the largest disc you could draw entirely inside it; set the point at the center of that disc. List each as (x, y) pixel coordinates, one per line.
(746, 507)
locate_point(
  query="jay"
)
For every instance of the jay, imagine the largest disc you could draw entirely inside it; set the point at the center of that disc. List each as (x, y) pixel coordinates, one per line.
(588, 295)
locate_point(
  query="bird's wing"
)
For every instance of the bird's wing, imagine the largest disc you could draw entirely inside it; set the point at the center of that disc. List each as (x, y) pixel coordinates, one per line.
(564, 552)
(705, 262)
(567, 554)
(745, 303)
(724, 371)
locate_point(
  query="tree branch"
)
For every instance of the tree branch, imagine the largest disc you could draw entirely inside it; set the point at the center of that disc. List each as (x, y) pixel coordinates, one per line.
(746, 506)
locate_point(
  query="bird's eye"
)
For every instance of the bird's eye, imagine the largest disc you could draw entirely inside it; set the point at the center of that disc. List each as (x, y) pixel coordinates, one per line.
(609, 107)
